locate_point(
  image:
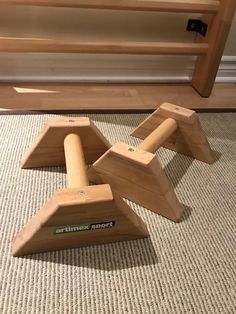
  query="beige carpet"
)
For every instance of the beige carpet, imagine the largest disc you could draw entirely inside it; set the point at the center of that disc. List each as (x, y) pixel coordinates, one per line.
(187, 267)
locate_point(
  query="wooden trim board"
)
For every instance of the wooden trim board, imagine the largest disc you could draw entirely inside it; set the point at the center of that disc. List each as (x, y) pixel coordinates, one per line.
(78, 96)
(207, 6)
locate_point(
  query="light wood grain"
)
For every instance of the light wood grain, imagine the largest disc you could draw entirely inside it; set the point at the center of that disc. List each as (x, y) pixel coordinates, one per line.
(77, 210)
(217, 14)
(15, 44)
(188, 139)
(158, 136)
(138, 176)
(68, 207)
(209, 6)
(48, 147)
(75, 161)
(79, 96)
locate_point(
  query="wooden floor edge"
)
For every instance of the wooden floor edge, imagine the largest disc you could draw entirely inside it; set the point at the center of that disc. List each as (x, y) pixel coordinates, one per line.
(26, 97)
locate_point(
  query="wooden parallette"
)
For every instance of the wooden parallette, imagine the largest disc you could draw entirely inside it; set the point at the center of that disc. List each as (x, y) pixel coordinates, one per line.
(136, 174)
(179, 129)
(80, 215)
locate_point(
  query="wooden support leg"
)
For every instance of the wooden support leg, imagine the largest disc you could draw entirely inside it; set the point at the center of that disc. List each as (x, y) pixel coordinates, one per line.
(207, 65)
(138, 176)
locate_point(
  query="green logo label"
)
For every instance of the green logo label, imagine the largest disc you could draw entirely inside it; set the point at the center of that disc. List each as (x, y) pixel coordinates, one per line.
(84, 227)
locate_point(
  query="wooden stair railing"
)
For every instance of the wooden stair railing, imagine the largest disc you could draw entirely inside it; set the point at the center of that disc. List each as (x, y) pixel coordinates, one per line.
(217, 14)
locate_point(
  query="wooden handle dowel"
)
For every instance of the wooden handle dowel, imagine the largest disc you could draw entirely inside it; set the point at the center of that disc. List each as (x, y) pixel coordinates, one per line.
(157, 138)
(75, 162)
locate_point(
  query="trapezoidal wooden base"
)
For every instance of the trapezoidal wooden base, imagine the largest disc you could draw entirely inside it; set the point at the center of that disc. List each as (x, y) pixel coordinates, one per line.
(77, 217)
(48, 148)
(138, 176)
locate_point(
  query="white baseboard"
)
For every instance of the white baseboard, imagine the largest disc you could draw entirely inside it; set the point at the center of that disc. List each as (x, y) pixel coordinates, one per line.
(105, 68)
(227, 70)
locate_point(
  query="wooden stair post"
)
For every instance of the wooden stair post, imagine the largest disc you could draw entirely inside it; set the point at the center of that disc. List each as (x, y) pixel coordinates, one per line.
(206, 66)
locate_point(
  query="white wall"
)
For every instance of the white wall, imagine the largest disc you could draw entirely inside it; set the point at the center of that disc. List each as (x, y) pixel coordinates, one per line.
(101, 24)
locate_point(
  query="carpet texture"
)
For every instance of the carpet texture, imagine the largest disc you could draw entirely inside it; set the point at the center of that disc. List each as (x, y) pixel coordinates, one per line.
(187, 267)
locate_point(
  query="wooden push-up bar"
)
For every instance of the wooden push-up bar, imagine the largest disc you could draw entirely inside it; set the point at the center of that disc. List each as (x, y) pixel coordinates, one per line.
(135, 172)
(217, 14)
(80, 215)
(175, 128)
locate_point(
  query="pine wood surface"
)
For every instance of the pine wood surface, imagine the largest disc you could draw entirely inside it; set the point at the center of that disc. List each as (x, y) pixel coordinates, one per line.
(206, 66)
(75, 161)
(48, 147)
(80, 215)
(189, 137)
(138, 176)
(209, 49)
(82, 96)
(207, 6)
(68, 207)
(14, 44)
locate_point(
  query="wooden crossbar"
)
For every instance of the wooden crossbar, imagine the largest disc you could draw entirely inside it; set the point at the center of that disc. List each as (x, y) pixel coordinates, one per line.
(200, 6)
(11, 44)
